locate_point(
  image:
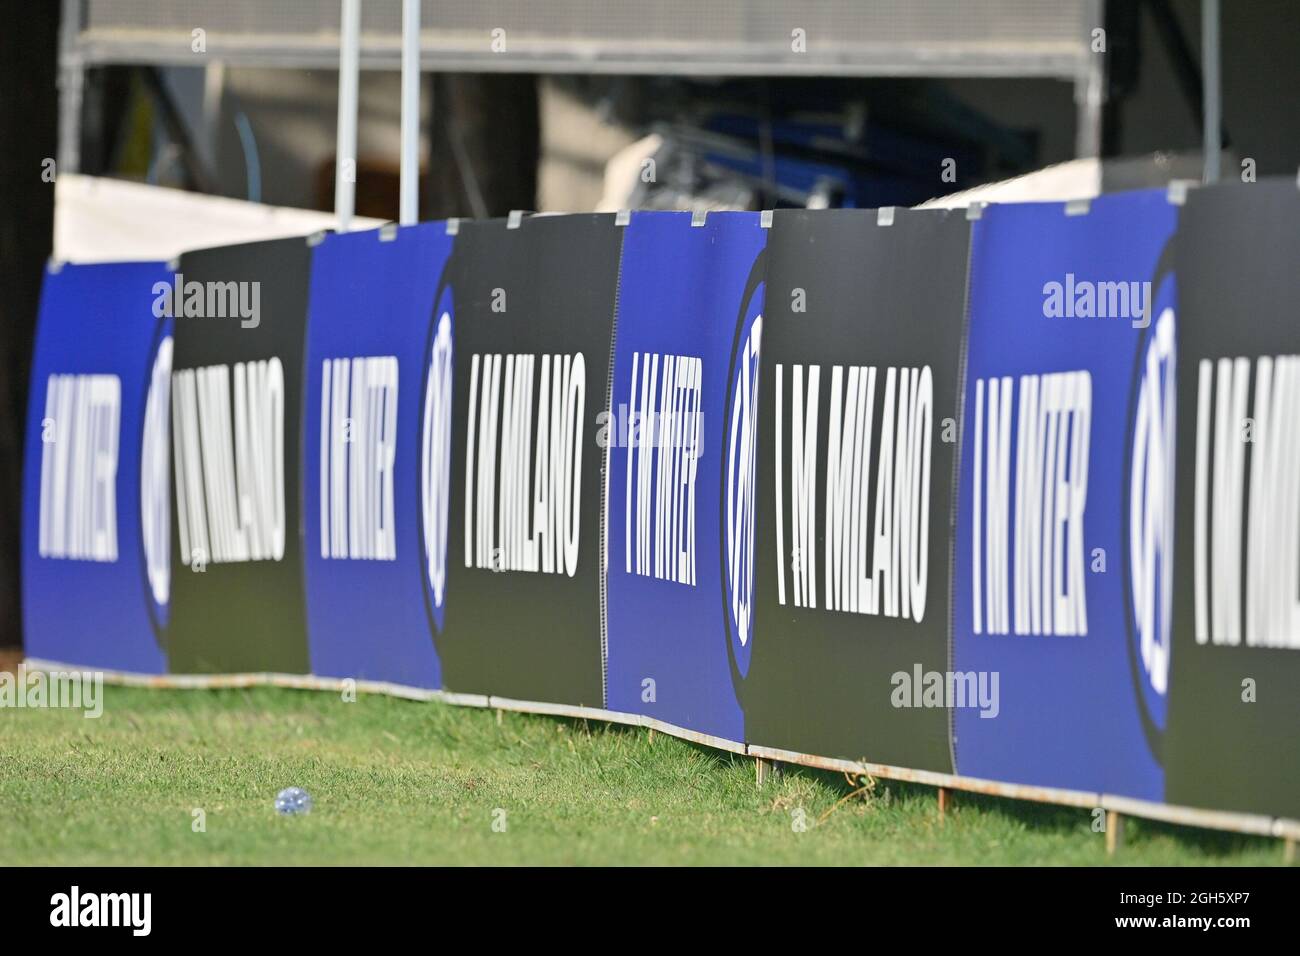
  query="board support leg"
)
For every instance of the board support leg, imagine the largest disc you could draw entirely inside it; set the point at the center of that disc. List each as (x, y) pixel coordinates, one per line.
(1289, 851)
(944, 797)
(1114, 832)
(762, 771)
(652, 735)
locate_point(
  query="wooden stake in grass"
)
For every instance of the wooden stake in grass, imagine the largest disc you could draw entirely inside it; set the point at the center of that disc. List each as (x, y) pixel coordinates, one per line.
(1114, 832)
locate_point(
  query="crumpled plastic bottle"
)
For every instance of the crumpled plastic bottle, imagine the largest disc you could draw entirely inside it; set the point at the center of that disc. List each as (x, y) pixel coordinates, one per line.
(292, 801)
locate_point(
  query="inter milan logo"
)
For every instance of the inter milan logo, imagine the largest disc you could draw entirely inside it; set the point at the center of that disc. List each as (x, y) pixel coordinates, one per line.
(1150, 520)
(155, 484)
(435, 460)
(739, 501)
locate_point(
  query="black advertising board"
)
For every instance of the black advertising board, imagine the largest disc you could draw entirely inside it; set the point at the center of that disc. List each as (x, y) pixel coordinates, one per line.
(858, 411)
(237, 587)
(1234, 713)
(534, 328)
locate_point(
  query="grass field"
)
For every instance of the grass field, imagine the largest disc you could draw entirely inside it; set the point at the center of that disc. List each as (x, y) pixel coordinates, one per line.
(397, 781)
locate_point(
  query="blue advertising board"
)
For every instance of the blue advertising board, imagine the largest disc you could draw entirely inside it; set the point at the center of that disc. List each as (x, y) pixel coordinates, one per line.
(1064, 524)
(96, 502)
(688, 294)
(377, 453)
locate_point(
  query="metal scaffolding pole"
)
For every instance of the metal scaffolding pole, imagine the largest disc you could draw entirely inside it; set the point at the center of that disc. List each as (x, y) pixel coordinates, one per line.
(1090, 87)
(410, 183)
(72, 76)
(345, 164)
(1213, 115)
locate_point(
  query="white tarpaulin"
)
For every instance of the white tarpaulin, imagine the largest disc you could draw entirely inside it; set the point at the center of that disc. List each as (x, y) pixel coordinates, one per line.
(101, 220)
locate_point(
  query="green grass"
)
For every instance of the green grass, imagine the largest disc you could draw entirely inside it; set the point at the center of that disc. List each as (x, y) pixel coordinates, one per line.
(396, 781)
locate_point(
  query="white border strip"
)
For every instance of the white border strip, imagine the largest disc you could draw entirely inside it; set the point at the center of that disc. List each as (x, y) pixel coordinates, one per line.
(1188, 816)
(563, 710)
(465, 700)
(267, 679)
(695, 736)
(1068, 798)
